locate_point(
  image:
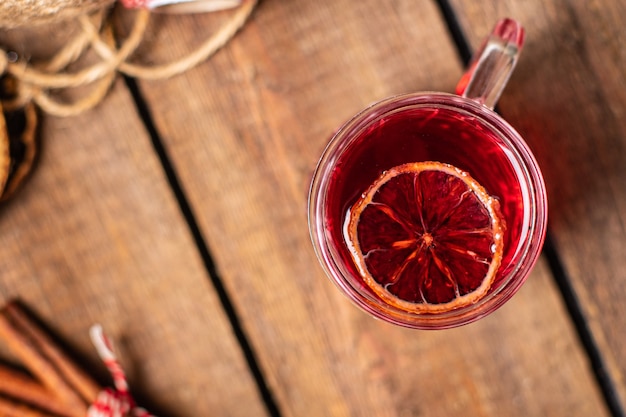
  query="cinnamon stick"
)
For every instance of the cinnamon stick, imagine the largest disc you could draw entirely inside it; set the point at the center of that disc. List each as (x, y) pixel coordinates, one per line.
(74, 375)
(24, 389)
(9, 408)
(40, 367)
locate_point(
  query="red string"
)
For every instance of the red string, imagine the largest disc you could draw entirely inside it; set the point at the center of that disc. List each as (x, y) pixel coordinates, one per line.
(112, 402)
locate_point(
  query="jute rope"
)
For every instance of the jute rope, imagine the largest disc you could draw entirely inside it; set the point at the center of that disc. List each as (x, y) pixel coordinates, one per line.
(37, 84)
(26, 86)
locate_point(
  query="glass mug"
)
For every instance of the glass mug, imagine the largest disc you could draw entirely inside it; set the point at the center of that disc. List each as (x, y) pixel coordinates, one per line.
(428, 210)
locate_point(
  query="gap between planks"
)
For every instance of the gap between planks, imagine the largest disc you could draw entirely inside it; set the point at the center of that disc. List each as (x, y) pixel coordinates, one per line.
(143, 110)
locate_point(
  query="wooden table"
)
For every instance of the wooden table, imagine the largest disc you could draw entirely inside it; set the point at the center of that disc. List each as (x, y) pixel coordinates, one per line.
(175, 215)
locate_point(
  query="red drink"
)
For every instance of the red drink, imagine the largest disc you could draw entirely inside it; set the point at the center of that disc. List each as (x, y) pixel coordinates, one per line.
(426, 134)
(445, 130)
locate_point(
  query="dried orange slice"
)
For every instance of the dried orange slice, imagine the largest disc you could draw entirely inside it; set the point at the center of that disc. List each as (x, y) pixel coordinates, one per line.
(426, 237)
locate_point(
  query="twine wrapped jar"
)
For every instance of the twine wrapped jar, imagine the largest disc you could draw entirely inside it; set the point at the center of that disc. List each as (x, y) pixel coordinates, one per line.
(17, 13)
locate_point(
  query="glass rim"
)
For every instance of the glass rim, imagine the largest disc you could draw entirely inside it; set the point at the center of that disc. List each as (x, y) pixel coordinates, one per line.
(523, 260)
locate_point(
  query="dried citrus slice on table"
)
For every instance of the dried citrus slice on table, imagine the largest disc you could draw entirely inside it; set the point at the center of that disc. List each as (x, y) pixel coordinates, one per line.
(426, 237)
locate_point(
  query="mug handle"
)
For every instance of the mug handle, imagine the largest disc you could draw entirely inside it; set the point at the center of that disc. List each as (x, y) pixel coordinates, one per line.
(493, 63)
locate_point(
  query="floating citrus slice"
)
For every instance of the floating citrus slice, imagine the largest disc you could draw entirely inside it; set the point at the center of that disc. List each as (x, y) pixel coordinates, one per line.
(426, 237)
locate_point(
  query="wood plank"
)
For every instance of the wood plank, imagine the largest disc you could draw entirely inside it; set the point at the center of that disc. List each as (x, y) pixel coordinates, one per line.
(568, 98)
(96, 237)
(245, 130)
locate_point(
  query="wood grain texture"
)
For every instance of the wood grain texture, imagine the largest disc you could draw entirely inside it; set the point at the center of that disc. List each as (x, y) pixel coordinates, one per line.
(568, 98)
(96, 237)
(245, 130)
